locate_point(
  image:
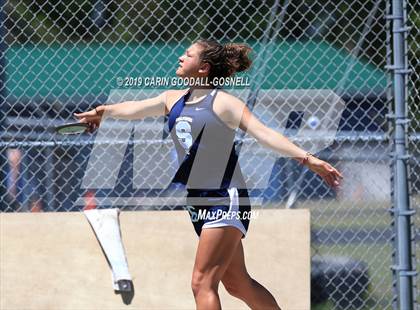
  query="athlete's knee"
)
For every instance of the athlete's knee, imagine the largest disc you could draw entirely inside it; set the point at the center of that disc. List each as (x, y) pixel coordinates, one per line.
(237, 286)
(202, 282)
(196, 281)
(233, 289)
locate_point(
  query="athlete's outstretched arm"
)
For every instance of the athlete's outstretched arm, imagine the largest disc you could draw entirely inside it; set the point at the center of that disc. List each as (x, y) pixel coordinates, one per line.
(128, 110)
(277, 142)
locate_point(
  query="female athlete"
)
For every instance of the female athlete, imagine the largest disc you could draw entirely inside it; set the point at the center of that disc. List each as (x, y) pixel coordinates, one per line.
(203, 121)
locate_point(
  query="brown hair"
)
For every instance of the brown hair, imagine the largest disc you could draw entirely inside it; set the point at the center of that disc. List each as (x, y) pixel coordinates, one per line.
(225, 60)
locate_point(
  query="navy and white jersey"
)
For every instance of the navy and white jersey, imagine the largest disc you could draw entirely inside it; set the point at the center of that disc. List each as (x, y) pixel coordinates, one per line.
(205, 146)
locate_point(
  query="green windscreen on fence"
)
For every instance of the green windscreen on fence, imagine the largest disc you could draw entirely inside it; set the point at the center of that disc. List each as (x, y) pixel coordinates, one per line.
(89, 69)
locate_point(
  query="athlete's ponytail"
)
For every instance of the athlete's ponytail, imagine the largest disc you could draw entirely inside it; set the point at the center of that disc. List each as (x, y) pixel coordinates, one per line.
(237, 57)
(224, 60)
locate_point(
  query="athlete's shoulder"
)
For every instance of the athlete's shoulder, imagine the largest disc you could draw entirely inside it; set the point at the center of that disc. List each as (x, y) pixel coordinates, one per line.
(228, 101)
(228, 108)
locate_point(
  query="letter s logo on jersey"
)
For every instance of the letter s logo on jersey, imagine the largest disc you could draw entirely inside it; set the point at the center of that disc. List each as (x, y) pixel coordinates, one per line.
(183, 132)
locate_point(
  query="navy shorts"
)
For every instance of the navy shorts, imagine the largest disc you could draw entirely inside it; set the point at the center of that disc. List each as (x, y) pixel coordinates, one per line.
(219, 208)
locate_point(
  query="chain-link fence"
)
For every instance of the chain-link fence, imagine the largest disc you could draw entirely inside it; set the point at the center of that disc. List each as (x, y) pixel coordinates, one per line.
(413, 96)
(61, 57)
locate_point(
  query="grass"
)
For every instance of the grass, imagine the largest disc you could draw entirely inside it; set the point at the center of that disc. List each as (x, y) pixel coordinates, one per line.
(341, 215)
(329, 305)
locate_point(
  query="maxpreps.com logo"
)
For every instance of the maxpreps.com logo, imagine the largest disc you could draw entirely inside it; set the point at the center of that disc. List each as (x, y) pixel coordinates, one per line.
(212, 215)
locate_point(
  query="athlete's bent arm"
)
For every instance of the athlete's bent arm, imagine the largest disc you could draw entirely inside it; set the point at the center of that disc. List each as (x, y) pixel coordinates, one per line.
(274, 140)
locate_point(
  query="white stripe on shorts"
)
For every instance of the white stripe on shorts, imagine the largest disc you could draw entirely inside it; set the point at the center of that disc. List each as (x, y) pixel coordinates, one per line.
(229, 221)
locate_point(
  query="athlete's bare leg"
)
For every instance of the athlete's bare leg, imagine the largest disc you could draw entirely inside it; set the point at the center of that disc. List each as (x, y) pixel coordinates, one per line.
(238, 283)
(215, 250)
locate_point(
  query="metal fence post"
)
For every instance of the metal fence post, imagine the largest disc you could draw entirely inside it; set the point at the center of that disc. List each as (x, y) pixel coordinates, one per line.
(402, 211)
(390, 101)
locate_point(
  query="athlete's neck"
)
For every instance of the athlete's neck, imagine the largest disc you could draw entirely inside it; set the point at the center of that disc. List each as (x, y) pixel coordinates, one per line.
(199, 93)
